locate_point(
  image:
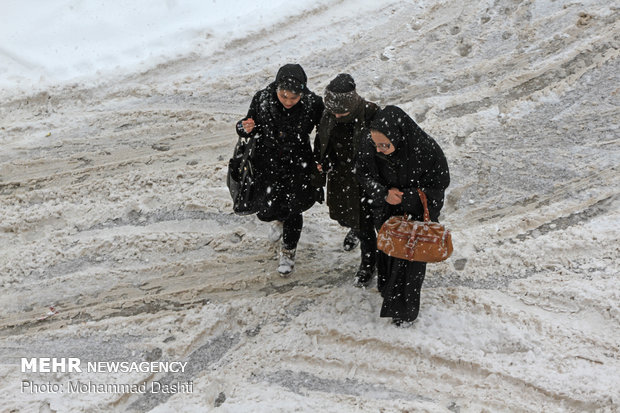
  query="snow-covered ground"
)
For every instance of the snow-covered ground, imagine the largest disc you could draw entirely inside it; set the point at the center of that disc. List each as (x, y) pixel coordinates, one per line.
(116, 126)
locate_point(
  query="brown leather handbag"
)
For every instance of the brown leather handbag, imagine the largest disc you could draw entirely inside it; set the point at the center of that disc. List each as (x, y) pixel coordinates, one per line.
(410, 240)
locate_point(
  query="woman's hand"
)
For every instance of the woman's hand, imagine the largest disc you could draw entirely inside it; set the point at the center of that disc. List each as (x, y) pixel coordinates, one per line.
(248, 125)
(394, 196)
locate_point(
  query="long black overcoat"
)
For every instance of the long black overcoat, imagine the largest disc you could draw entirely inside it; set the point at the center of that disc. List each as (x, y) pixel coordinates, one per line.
(283, 158)
(339, 143)
(417, 162)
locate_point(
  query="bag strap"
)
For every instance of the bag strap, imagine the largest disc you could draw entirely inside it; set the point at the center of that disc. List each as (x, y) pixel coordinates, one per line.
(248, 149)
(427, 216)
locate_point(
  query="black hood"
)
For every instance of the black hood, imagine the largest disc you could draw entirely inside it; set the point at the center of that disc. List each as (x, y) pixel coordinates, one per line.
(394, 123)
(292, 77)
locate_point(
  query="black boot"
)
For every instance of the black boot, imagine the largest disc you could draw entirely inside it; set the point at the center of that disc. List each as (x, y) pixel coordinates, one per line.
(350, 240)
(366, 272)
(402, 323)
(363, 277)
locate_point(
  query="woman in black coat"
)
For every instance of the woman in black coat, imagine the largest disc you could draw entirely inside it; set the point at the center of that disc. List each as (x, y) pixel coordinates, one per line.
(396, 160)
(344, 124)
(281, 118)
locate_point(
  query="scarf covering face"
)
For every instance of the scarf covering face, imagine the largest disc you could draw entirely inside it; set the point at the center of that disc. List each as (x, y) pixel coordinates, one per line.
(329, 122)
(418, 158)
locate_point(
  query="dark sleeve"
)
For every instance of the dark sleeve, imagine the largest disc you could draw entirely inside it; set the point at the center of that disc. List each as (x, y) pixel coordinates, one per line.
(317, 116)
(368, 175)
(316, 147)
(318, 179)
(252, 113)
(323, 159)
(329, 159)
(317, 112)
(434, 183)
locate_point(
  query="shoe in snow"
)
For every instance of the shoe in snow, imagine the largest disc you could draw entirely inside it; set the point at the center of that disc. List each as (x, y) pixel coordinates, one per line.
(363, 277)
(287, 262)
(402, 323)
(350, 241)
(275, 231)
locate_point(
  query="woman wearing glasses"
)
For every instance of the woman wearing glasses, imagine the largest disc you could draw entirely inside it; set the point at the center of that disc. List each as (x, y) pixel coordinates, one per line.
(396, 160)
(281, 118)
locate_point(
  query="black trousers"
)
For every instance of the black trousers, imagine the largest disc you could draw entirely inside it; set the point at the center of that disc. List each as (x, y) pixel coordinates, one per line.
(291, 233)
(293, 222)
(400, 284)
(368, 239)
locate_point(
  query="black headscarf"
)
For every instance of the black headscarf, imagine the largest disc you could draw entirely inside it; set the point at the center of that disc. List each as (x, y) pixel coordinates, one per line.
(292, 77)
(418, 160)
(399, 128)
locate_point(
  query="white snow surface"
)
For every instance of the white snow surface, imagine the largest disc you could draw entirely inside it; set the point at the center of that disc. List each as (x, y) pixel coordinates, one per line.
(116, 125)
(45, 43)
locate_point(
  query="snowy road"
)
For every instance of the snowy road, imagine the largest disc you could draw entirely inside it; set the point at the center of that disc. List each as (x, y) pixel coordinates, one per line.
(114, 210)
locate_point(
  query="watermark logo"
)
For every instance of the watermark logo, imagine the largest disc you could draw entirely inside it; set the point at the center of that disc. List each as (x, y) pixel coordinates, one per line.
(166, 384)
(51, 365)
(74, 365)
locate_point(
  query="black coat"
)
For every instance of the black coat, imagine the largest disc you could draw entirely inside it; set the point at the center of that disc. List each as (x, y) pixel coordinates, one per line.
(417, 162)
(337, 147)
(283, 158)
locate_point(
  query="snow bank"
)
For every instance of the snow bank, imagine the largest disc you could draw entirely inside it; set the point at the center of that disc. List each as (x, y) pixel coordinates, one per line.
(44, 42)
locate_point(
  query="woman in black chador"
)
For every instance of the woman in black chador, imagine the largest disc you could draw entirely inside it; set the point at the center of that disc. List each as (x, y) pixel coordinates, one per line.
(344, 124)
(396, 160)
(281, 118)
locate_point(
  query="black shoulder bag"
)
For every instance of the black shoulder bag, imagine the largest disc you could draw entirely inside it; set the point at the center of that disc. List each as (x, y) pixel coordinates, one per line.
(241, 179)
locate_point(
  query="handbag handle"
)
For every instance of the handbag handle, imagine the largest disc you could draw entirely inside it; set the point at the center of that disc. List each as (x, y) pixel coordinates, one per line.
(427, 216)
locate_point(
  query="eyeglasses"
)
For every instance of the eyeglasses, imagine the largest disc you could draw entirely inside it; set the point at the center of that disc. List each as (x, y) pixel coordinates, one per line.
(381, 145)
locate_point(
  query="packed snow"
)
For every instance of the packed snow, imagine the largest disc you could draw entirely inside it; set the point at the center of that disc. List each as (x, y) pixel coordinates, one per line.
(119, 243)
